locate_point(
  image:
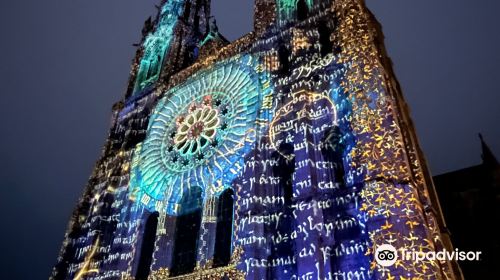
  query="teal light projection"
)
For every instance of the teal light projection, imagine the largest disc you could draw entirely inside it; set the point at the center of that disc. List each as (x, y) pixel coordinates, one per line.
(156, 45)
(287, 8)
(199, 134)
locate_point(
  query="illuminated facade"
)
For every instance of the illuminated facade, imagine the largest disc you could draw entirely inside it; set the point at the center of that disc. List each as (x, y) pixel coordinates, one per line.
(287, 154)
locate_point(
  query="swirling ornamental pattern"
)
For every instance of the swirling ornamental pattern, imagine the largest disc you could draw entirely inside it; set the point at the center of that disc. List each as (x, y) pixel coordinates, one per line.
(198, 135)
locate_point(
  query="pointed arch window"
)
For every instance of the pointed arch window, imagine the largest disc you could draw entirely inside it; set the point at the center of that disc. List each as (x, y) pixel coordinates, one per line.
(324, 39)
(187, 233)
(302, 10)
(284, 170)
(224, 231)
(187, 11)
(284, 59)
(334, 152)
(147, 247)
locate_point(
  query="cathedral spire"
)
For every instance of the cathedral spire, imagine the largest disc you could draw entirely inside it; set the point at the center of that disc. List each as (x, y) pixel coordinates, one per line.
(170, 41)
(487, 155)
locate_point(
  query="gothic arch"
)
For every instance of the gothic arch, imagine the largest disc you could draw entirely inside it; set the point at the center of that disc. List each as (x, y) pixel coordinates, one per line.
(302, 10)
(333, 151)
(187, 232)
(147, 247)
(224, 230)
(284, 59)
(324, 38)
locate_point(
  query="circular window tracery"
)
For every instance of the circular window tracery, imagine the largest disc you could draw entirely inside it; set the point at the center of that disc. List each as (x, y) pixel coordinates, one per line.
(199, 133)
(197, 129)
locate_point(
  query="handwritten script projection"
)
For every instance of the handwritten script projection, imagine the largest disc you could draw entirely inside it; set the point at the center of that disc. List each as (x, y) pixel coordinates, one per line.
(287, 154)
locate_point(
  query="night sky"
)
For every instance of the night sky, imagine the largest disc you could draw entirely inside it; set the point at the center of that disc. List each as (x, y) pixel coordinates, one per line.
(64, 63)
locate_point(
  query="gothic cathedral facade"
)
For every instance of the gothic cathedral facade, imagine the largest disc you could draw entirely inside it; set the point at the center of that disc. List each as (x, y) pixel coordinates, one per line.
(286, 154)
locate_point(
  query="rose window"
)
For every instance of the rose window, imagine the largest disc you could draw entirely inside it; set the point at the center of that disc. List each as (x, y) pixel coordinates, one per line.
(197, 130)
(199, 134)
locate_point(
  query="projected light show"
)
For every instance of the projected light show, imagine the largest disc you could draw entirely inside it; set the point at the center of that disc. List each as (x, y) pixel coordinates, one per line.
(157, 43)
(286, 154)
(199, 133)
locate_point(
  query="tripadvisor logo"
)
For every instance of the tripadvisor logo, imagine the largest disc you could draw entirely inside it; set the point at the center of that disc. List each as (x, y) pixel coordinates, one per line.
(387, 255)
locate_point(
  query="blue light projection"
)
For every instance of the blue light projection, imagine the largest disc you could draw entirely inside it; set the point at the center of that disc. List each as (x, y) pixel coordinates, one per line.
(157, 44)
(199, 133)
(308, 145)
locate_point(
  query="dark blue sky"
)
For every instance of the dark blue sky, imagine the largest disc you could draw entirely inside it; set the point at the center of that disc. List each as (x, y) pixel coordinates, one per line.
(64, 63)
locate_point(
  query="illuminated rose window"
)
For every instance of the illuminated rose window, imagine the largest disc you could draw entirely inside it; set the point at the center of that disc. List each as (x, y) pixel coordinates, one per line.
(199, 134)
(196, 130)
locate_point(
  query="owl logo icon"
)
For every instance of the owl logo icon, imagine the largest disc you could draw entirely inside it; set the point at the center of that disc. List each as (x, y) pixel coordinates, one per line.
(386, 255)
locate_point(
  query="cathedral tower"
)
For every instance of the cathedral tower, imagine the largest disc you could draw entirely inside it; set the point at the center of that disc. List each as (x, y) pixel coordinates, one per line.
(286, 154)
